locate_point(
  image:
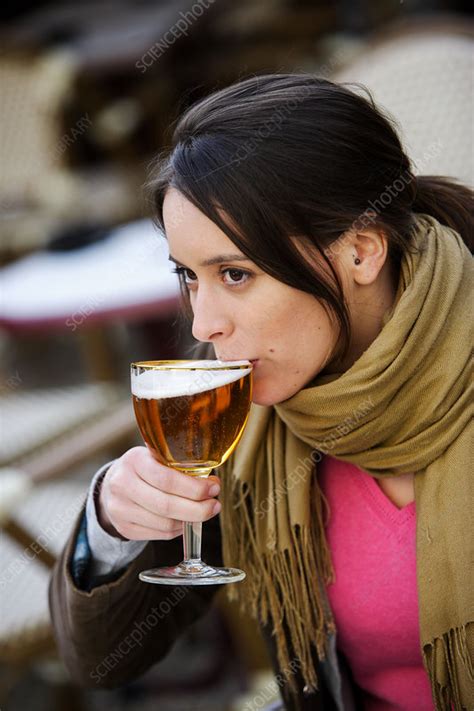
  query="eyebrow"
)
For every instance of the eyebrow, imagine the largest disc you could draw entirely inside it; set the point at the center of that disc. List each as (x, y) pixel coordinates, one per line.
(219, 259)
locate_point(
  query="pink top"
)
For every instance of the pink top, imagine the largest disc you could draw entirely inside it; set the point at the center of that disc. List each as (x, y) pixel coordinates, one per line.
(374, 598)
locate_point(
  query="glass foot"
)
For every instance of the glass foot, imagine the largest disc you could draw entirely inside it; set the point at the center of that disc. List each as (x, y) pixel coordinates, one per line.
(193, 572)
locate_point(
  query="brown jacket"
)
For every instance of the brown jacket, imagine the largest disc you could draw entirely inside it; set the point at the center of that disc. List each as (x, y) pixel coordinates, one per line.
(114, 633)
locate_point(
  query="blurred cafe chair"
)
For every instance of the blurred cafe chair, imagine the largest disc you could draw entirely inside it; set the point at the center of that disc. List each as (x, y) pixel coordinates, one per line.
(46, 436)
(420, 71)
(35, 523)
(40, 190)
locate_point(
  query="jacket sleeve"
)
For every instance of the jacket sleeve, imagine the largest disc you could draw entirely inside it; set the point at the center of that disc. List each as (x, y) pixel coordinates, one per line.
(113, 633)
(108, 554)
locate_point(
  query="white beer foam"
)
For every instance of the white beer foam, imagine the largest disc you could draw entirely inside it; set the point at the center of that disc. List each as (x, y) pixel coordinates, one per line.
(155, 384)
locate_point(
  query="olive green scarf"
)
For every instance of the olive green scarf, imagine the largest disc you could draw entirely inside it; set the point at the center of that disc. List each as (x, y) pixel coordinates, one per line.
(404, 406)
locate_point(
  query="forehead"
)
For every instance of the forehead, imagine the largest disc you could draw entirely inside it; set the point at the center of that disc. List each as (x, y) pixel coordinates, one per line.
(188, 229)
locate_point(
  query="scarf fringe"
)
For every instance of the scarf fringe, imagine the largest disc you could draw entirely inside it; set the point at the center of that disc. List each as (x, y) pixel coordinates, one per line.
(451, 651)
(282, 587)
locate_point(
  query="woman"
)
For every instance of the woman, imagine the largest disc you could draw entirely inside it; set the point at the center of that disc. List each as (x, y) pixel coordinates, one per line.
(304, 242)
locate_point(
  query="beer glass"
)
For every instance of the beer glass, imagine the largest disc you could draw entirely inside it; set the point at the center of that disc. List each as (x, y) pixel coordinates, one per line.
(191, 414)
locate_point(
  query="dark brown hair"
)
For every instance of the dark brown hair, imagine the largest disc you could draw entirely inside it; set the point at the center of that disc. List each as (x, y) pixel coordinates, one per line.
(279, 156)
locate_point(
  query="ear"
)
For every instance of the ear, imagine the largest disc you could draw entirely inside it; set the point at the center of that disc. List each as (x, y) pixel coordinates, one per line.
(370, 249)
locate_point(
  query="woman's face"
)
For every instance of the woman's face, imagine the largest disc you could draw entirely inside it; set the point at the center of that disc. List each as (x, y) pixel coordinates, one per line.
(244, 312)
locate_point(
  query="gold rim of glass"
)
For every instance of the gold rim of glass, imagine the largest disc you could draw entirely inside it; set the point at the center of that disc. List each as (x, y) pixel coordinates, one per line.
(181, 364)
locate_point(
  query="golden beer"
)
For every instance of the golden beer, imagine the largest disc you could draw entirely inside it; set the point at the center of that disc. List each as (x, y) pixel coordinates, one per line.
(191, 414)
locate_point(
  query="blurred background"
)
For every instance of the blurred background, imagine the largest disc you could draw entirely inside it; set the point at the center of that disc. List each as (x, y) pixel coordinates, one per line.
(90, 91)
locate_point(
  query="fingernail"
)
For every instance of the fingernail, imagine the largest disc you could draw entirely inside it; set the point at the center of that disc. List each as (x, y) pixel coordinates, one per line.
(217, 507)
(214, 490)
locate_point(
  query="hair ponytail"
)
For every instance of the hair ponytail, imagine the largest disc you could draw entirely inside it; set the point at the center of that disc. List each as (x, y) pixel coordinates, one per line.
(449, 202)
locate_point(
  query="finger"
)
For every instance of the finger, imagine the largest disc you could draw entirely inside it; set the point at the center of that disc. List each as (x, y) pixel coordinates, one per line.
(175, 482)
(133, 513)
(135, 532)
(167, 505)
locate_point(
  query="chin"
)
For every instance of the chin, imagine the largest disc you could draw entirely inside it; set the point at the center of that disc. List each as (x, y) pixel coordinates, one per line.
(260, 395)
(259, 401)
(266, 397)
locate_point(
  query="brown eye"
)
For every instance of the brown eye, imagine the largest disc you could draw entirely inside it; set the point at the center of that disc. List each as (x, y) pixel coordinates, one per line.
(189, 276)
(185, 275)
(235, 276)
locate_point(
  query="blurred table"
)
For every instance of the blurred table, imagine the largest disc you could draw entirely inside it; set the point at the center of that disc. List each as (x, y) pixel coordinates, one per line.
(127, 276)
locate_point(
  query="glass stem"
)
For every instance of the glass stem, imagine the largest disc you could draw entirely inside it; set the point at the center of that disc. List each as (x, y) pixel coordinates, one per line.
(192, 536)
(192, 533)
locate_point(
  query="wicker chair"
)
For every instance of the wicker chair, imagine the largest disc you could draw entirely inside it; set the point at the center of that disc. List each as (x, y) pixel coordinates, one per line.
(422, 75)
(48, 433)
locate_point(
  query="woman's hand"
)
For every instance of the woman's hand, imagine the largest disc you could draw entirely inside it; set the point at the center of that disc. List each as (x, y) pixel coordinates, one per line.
(141, 499)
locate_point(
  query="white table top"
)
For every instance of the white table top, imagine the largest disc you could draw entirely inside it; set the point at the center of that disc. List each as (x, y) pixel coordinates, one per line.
(125, 275)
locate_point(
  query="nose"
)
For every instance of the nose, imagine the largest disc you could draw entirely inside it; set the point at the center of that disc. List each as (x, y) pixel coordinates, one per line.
(210, 321)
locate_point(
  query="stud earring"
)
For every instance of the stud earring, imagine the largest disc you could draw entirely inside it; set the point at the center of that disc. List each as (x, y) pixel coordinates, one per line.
(357, 260)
